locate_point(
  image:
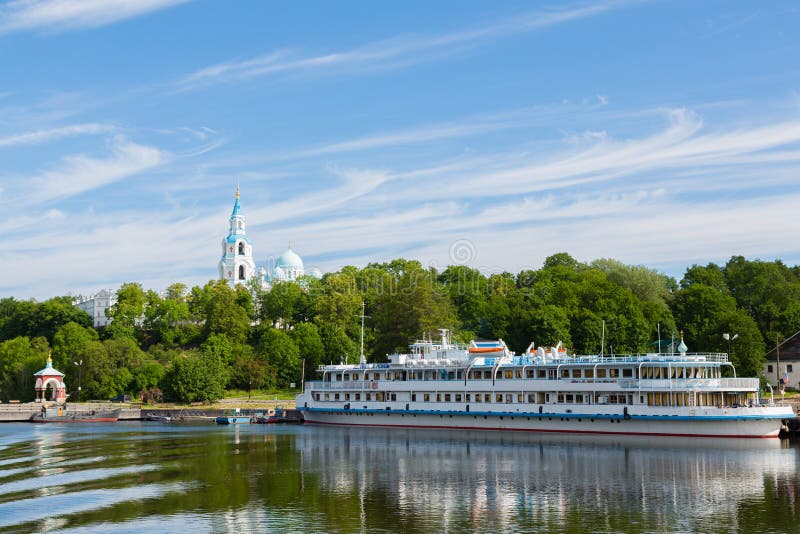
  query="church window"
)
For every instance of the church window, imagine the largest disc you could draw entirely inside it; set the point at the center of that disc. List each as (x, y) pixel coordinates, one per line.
(239, 224)
(241, 272)
(241, 247)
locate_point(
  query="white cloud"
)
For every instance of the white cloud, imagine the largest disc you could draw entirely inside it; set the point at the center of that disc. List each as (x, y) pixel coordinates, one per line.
(389, 54)
(79, 173)
(52, 134)
(58, 15)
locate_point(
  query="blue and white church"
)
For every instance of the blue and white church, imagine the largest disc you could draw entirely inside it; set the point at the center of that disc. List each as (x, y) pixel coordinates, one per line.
(237, 265)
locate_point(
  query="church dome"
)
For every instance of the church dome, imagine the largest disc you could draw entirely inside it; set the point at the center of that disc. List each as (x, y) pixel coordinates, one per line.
(289, 260)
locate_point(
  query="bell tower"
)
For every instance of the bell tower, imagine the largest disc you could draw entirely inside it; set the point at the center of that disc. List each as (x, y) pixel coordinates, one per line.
(237, 265)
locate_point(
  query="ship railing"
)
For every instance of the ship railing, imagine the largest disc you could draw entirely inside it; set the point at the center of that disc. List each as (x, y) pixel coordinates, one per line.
(346, 384)
(623, 358)
(744, 384)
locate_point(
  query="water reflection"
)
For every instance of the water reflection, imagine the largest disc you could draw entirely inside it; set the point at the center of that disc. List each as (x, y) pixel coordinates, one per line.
(205, 478)
(524, 482)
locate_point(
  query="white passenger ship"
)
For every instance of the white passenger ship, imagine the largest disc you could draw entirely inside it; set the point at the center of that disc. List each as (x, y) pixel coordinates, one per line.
(484, 386)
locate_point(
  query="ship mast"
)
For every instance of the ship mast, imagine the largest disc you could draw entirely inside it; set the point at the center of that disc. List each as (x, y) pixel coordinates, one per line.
(362, 360)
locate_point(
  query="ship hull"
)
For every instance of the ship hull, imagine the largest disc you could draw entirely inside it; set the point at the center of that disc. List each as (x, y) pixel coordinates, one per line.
(762, 425)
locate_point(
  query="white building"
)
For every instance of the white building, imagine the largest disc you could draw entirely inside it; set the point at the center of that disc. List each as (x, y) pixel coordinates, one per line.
(238, 267)
(97, 305)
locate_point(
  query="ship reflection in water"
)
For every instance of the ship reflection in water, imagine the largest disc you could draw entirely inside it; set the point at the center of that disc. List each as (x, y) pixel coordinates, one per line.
(133, 477)
(516, 482)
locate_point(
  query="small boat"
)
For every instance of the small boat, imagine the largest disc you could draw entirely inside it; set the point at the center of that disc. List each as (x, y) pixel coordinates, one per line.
(60, 414)
(232, 418)
(161, 418)
(274, 416)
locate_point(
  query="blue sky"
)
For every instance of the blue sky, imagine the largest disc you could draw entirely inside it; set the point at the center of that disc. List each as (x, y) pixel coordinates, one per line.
(491, 134)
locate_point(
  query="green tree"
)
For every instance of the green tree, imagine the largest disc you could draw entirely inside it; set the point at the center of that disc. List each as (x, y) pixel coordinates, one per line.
(277, 349)
(337, 346)
(309, 344)
(166, 318)
(280, 304)
(418, 305)
(69, 343)
(127, 312)
(251, 373)
(196, 377)
(20, 358)
(223, 315)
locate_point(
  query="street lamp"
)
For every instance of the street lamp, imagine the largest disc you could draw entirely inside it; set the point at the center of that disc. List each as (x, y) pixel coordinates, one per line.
(727, 337)
(80, 372)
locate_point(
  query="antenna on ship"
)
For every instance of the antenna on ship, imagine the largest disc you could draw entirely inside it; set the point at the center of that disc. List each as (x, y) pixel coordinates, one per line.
(658, 325)
(603, 339)
(362, 360)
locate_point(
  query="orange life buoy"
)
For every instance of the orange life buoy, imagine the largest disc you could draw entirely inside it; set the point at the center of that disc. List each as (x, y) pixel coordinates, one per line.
(374, 385)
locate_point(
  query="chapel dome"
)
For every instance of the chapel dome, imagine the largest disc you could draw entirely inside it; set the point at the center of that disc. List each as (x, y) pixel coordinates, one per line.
(289, 259)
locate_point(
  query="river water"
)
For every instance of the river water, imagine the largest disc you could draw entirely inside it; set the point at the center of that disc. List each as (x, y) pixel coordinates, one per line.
(135, 477)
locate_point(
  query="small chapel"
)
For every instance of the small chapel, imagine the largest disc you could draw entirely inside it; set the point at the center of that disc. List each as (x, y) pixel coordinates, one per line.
(237, 265)
(49, 377)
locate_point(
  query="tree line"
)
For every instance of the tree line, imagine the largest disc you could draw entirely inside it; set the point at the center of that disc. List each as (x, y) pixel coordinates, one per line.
(192, 344)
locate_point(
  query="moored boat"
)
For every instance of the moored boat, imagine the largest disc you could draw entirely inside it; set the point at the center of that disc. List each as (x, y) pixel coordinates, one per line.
(443, 385)
(233, 417)
(61, 414)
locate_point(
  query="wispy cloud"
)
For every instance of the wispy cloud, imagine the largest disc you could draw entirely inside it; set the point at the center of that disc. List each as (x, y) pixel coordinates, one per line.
(388, 54)
(52, 134)
(60, 15)
(79, 173)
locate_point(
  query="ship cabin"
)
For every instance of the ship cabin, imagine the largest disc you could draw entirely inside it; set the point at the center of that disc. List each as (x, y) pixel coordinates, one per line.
(488, 373)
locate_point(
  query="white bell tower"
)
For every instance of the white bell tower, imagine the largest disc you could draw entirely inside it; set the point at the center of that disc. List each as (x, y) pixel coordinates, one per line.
(237, 265)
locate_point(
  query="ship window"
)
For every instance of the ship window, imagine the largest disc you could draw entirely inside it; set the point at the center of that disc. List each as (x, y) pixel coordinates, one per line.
(467, 397)
(788, 368)
(487, 397)
(576, 373)
(336, 396)
(529, 373)
(508, 398)
(613, 373)
(541, 373)
(508, 373)
(338, 377)
(426, 397)
(570, 398)
(498, 397)
(518, 373)
(565, 373)
(601, 373)
(447, 397)
(346, 396)
(394, 396)
(560, 398)
(519, 398)
(316, 396)
(355, 376)
(627, 373)
(346, 376)
(531, 398)
(478, 397)
(358, 396)
(327, 396)
(438, 397)
(413, 397)
(458, 397)
(487, 375)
